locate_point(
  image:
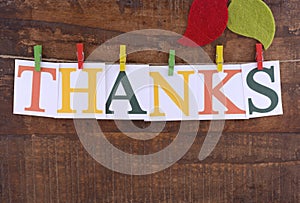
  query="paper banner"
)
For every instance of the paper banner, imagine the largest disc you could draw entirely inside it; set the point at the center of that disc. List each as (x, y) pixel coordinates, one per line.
(143, 92)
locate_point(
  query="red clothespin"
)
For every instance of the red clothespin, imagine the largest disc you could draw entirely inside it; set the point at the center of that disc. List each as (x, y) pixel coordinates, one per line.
(80, 55)
(259, 56)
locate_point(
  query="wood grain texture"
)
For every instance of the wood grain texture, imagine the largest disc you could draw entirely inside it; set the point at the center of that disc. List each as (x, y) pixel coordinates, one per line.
(42, 160)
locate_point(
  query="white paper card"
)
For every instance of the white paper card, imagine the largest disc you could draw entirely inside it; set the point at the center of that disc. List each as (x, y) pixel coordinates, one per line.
(173, 97)
(262, 89)
(35, 93)
(221, 94)
(83, 94)
(128, 92)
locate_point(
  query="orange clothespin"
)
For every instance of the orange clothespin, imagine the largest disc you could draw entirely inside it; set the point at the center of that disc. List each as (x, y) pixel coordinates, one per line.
(259, 56)
(219, 58)
(80, 55)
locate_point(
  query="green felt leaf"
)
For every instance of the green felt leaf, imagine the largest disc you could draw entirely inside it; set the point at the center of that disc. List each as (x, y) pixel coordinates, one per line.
(252, 18)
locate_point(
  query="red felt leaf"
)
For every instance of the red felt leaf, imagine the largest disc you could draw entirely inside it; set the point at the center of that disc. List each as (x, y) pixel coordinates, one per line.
(207, 21)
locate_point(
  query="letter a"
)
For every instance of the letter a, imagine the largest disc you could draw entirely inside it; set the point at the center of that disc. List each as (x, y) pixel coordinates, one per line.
(130, 96)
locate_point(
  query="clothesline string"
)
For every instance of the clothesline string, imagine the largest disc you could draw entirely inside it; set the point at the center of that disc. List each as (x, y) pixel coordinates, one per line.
(71, 61)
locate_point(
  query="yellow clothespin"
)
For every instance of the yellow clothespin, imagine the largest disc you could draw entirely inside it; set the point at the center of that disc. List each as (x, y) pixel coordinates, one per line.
(219, 58)
(123, 58)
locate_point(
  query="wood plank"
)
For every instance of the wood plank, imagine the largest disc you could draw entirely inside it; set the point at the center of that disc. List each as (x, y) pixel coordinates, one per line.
(59, 40)
(261, 147)
(267, 170)
(110, 14)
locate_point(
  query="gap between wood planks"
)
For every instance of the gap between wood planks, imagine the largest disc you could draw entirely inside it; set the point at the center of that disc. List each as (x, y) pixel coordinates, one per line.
(72, 61)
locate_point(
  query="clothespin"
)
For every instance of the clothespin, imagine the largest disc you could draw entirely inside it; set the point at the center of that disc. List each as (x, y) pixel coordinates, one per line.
(37, 57)
(219, 58)
(123, 58)
(171, 62)
(80, 55)
(259, 56)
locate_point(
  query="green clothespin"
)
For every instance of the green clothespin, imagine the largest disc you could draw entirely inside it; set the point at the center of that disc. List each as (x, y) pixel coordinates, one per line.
(171, 62)
(37, 57)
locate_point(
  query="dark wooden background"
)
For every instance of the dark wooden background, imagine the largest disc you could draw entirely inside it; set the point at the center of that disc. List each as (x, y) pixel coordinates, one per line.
(42, 160)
